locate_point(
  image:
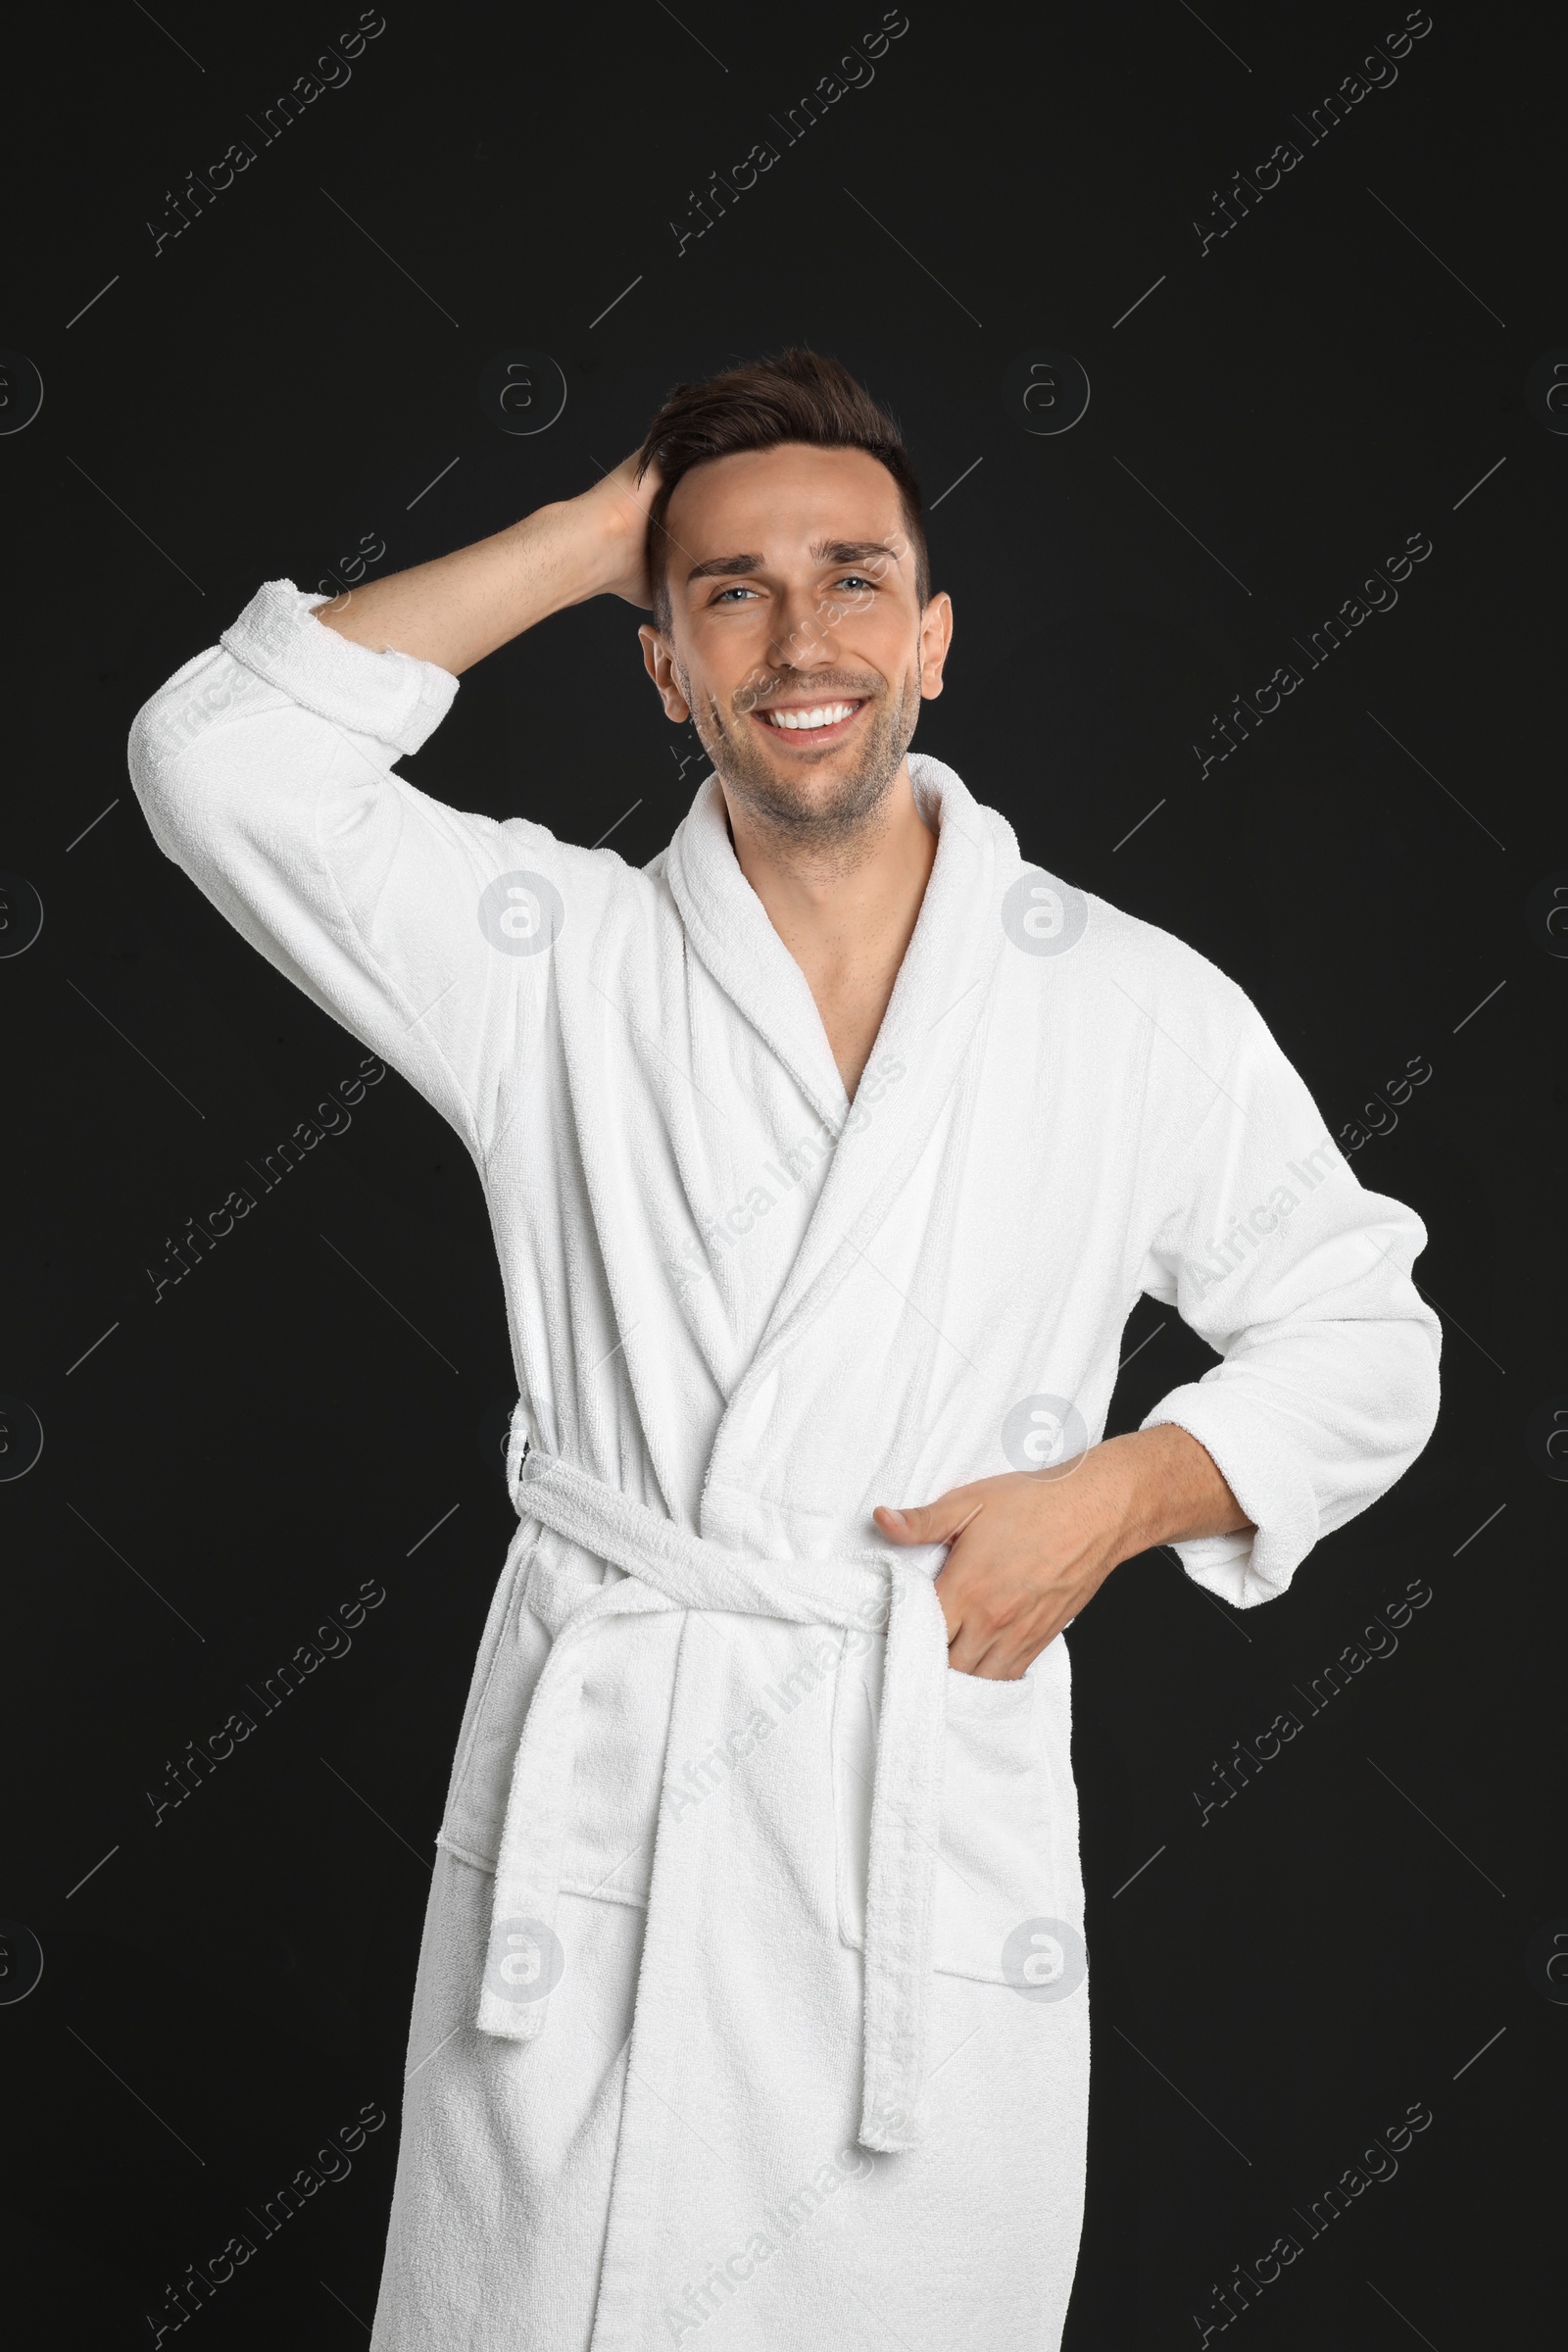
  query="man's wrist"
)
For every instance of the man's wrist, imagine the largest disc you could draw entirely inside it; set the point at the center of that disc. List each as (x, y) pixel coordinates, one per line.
(1166, 1488)
(582, 546)
(1132, 1487)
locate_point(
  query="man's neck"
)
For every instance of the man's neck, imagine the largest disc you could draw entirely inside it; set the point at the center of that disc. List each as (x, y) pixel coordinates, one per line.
(847, 912)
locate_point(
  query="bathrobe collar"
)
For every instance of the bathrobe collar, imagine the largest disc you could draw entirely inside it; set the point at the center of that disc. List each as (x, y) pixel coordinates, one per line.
(955, 941)
(938, 1003)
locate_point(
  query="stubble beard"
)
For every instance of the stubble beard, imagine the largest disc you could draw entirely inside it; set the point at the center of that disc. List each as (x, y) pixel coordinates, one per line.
(794, 809)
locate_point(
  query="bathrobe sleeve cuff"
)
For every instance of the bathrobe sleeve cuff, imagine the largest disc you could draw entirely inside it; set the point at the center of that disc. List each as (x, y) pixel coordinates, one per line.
(393, 697)
(1273, 1488)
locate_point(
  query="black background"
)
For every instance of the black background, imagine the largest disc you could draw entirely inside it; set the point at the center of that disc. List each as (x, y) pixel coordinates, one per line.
(280, 381)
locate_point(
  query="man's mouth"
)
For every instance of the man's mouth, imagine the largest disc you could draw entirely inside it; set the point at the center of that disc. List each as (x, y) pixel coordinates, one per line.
(811, 722)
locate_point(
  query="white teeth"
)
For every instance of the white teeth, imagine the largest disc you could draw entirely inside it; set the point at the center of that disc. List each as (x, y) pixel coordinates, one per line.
(826, 715)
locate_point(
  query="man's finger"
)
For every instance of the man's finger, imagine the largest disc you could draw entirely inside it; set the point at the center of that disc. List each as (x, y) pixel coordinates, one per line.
(986, 1652)
(936, 1522)
(996, 1653)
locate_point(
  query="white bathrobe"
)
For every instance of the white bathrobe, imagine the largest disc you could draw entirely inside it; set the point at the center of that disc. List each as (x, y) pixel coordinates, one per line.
(752, 2007)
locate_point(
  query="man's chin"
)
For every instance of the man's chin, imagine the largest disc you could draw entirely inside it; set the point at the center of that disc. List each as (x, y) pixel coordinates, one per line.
(815, 779)
(824, 799)
(824, 795)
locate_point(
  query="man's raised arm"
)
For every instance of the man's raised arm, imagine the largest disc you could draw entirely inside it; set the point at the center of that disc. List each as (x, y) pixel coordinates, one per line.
(461, 607)
(265, 771)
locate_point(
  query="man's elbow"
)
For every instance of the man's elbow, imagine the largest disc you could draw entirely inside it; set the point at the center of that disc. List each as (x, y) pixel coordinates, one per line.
(176, 785)
(1410, 1390)
(197, 698)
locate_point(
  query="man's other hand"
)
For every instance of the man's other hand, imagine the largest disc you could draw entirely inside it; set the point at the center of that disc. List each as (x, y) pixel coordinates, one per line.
(1029, 1550)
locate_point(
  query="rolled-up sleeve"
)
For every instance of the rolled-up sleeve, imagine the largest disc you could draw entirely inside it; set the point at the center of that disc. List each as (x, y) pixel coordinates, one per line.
(263, 768)
(1300, 1278)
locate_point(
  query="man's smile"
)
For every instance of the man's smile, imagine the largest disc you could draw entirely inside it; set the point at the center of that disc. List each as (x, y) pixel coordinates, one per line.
(813, 723)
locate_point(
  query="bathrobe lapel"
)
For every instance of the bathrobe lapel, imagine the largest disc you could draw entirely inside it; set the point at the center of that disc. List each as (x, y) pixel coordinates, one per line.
(728, 927)
(933, 1019)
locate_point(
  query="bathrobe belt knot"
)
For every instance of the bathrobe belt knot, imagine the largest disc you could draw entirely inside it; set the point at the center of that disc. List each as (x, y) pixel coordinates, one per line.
(667, 1568)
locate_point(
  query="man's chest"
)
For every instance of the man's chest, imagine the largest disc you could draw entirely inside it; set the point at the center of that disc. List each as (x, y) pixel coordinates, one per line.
(698, 1170)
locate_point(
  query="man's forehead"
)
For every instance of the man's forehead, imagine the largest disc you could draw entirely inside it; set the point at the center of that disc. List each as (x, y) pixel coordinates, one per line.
(761, 507)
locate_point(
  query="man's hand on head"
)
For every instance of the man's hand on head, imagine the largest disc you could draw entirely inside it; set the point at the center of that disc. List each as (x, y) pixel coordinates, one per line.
(618, 507)
(1029, 1550)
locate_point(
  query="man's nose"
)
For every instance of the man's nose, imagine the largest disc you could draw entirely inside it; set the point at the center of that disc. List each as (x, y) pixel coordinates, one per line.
(804, 634)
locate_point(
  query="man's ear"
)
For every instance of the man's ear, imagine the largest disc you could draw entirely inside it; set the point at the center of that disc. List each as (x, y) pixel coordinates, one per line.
(936, 635)
(660, 664)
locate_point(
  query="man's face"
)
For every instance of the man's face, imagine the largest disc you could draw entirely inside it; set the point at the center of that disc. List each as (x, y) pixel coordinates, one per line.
(797, 643)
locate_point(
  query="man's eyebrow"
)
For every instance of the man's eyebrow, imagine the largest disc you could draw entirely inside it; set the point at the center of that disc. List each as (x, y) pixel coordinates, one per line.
(826, 550)
(852, 551)
(723, 567)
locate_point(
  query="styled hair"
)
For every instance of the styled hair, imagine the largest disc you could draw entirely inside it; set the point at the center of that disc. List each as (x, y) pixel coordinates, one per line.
(800, 396)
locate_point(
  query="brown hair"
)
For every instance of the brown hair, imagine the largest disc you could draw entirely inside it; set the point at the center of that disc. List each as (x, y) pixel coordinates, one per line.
(800, 396)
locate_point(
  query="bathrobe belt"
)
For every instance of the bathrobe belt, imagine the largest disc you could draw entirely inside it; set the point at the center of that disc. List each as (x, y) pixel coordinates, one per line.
(667, 1568)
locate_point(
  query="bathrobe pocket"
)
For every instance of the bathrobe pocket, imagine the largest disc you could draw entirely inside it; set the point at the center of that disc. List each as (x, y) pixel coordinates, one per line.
(1008, 1840)
(513, 1650)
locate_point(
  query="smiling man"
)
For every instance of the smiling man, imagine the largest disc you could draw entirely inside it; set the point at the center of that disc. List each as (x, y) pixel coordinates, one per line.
(753, 1996)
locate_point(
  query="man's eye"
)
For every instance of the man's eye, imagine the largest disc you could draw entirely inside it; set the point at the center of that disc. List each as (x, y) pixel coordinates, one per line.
(723, 591)
(855, 580)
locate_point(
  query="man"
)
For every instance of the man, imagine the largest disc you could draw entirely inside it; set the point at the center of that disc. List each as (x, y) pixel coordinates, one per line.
(827, 1156)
